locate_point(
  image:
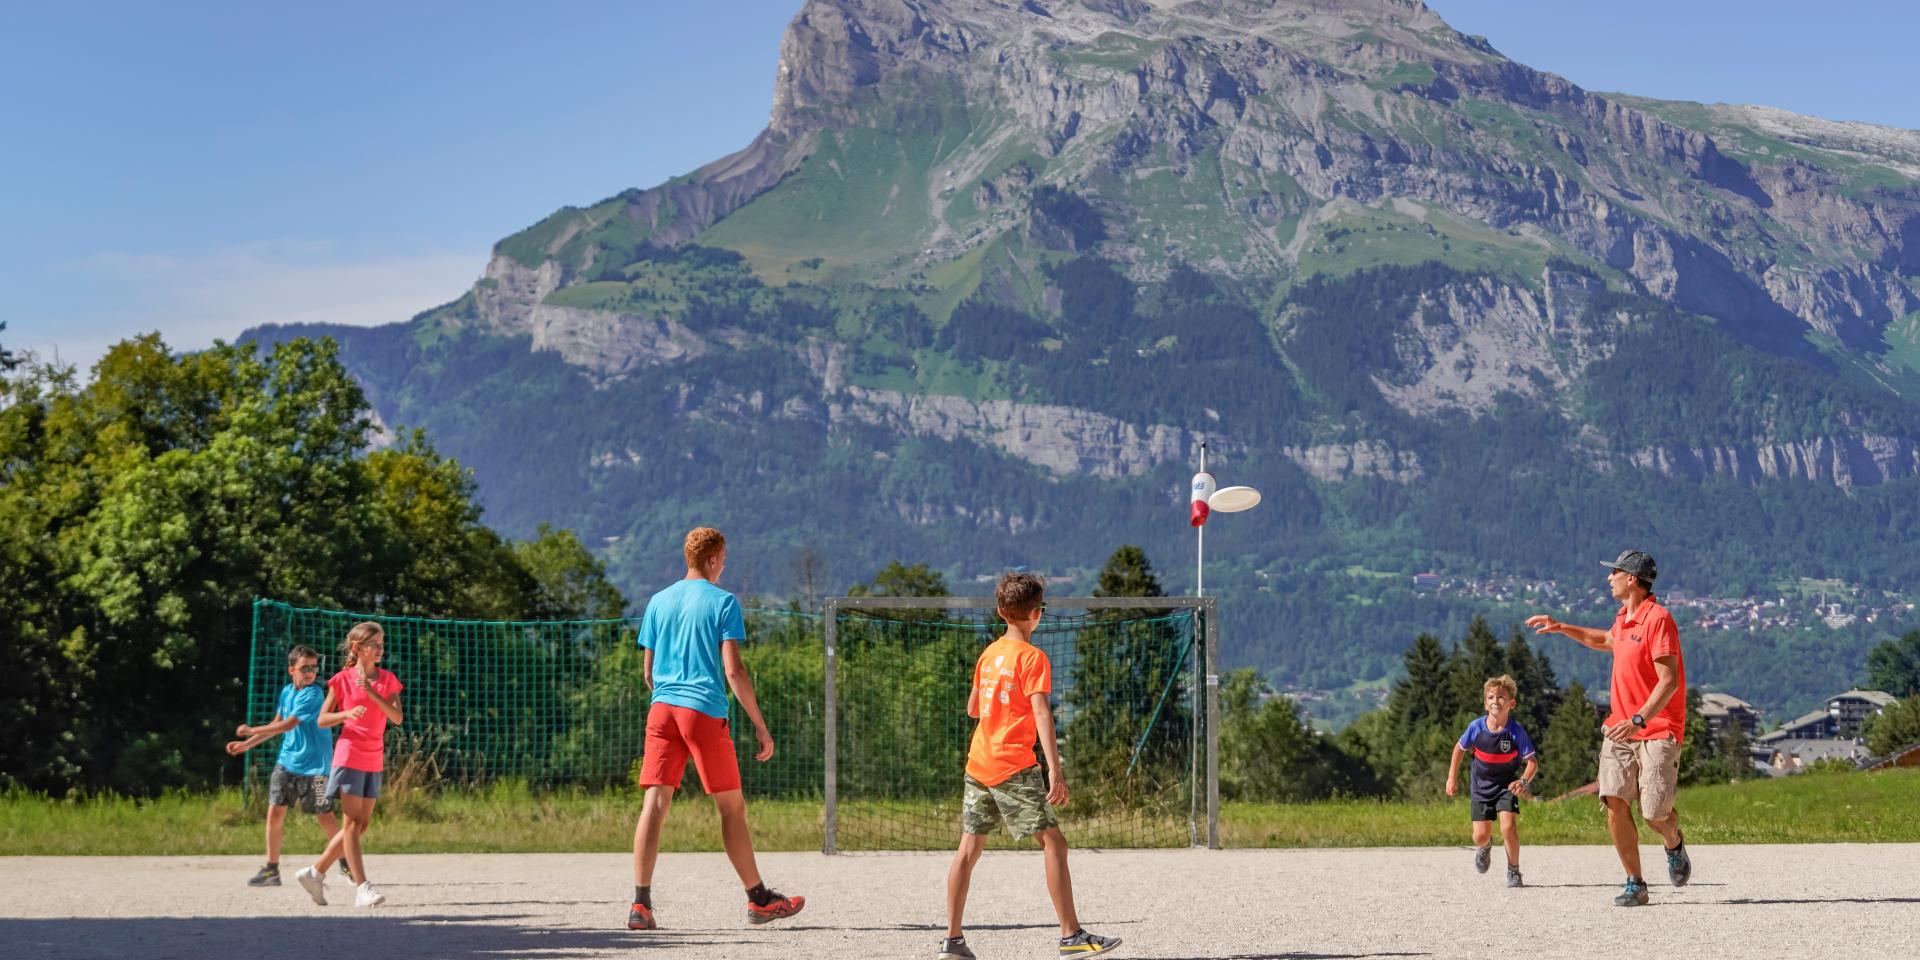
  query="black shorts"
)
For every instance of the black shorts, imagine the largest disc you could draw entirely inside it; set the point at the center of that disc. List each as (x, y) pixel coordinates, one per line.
(1487, 809)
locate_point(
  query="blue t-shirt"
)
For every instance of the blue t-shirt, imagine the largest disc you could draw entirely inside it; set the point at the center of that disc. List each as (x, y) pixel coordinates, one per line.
(306, 749)
(684, 626)
(1498, 756)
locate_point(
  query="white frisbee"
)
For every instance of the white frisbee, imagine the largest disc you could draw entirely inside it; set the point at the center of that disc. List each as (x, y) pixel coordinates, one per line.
(1234, 499)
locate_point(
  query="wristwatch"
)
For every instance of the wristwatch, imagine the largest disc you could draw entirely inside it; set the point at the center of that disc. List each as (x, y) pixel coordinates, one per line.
(1640, 721)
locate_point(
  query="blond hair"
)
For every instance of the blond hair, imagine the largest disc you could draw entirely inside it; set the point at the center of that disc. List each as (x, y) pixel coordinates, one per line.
(1504, 684)
(363, 632)
(703, 543)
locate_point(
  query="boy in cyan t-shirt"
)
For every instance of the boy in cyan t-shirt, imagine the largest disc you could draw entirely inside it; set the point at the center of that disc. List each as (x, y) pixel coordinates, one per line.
(1500, 749)
(300, 772)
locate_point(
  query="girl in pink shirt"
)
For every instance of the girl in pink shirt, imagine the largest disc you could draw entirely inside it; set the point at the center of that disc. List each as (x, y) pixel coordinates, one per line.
(361, 699)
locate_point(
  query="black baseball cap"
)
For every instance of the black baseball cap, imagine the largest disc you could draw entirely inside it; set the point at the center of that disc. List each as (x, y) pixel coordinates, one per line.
(1634, 562)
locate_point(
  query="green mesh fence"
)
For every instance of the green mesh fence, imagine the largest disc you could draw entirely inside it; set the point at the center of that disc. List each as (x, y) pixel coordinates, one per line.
(1129, 721)
(563, 702)
(547, 702)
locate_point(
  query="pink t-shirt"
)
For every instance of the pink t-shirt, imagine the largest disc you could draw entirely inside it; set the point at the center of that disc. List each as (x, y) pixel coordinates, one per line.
(362, 744)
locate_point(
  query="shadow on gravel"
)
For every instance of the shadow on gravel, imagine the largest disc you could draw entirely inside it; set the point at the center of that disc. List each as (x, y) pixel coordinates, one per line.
(1302, 956)
(1614, 886)
(1745, 902)
(941, 927)
(362, 937)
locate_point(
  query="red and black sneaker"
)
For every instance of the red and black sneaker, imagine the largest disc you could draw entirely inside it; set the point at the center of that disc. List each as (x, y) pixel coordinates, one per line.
(776, 909)
(640, 917)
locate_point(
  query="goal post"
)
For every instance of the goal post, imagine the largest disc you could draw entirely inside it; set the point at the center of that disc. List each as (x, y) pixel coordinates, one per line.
(1136, 700)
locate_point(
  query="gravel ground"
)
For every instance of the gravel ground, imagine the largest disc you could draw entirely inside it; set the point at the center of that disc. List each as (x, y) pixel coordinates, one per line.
(1852, 901)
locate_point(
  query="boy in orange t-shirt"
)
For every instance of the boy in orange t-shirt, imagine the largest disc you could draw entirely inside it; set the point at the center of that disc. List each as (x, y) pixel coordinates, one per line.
(1011, 682)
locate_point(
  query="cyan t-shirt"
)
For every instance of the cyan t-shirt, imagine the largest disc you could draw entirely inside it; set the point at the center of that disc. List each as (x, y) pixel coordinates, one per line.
(684, 626)
(306, 749)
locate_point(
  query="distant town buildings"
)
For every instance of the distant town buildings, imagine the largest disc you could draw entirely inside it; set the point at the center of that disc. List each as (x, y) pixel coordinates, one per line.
(1834, 732)
(1721, 710)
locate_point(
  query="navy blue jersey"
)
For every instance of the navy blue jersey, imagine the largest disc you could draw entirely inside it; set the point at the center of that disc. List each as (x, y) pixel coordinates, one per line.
(1498, 756)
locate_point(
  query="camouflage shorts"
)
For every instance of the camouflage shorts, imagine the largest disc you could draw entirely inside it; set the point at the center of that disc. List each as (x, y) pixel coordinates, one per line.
(1020, 801)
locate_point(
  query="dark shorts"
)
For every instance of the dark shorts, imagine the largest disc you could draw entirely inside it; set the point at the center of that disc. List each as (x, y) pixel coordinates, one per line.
(286, 788)
(1019, 801)
(1486, 809)
(675, 733)
(348, 782)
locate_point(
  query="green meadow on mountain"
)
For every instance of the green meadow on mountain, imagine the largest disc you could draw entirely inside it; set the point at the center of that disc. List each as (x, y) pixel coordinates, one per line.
(995, 269)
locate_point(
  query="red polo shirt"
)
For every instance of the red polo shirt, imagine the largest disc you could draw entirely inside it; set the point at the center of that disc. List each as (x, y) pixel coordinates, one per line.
(1648, 634)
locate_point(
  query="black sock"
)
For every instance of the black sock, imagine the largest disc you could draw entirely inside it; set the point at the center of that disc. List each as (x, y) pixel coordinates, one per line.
(959, 939)
(759, 894)
(275, 864)
(1075, 934)
(643, 896)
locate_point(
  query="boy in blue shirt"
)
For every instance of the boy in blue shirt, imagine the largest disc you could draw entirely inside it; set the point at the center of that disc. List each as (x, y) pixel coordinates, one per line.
(300, 772)
(1500, 748)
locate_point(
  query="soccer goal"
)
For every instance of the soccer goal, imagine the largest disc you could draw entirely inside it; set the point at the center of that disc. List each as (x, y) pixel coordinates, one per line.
(1135, 698)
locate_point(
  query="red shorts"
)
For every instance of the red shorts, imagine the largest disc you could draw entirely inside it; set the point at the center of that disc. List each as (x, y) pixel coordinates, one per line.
(674, 733)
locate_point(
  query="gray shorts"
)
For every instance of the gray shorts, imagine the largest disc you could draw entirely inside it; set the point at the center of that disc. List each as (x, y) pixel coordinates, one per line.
(286, 788)
(346, 781)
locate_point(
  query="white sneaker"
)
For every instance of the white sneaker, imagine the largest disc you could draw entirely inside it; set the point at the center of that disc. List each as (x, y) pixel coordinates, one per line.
(368, 896)
(314, 884)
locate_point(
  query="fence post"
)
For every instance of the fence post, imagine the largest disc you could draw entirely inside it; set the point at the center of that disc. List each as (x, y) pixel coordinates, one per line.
(1213, 725)
(253, 654)
(831, 714)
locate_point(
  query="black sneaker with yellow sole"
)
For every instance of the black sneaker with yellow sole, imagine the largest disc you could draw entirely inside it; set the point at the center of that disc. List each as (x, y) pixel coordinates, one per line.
(1084, 944)
(269, 876)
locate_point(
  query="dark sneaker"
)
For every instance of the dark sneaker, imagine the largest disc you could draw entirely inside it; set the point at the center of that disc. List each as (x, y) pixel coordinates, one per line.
(1084, 944)
(269, 876)
(1634, 895)
(1482, 858)
(778, 908)
(1679, 865)
(345, 870)
(640, 917)
(955, 948)
(1513, 876)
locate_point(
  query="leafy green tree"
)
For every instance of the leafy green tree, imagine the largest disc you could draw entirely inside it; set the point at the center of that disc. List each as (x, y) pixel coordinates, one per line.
(1477, 659)
(141, 513)
(1128, 573)
(1896, 728)
(1270, 752)
(1422, 697)
(1130, 726)
(1570, 748)
(1539, 689)
(1894, 665)
(569, 583)
(7, 360)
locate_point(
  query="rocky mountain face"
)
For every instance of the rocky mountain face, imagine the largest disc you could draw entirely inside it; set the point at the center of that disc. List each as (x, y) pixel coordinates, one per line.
(988, 253)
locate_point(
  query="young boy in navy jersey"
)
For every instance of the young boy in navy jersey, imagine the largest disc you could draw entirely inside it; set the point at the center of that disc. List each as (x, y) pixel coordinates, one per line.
(1500, 748)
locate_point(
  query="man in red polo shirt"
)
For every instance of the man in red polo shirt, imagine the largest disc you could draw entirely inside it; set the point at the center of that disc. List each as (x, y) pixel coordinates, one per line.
(1640, 754)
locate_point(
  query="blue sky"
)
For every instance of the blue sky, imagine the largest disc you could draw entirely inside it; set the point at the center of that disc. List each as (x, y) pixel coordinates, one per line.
(199, 168)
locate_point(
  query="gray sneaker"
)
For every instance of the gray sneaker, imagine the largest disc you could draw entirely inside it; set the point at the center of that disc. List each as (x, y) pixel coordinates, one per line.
(1513, 876)
(1084, 944)
(1634, 895)
(1482, 859)
(1679, 865)
(955, 948)
(269, 876)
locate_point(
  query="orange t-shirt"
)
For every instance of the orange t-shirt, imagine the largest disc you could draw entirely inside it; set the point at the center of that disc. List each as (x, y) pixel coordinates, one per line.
(1636, 642)
(1009, 672)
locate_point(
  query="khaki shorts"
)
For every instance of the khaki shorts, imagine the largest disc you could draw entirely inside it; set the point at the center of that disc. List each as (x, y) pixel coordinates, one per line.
(1020, 801)
(1644, 770)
